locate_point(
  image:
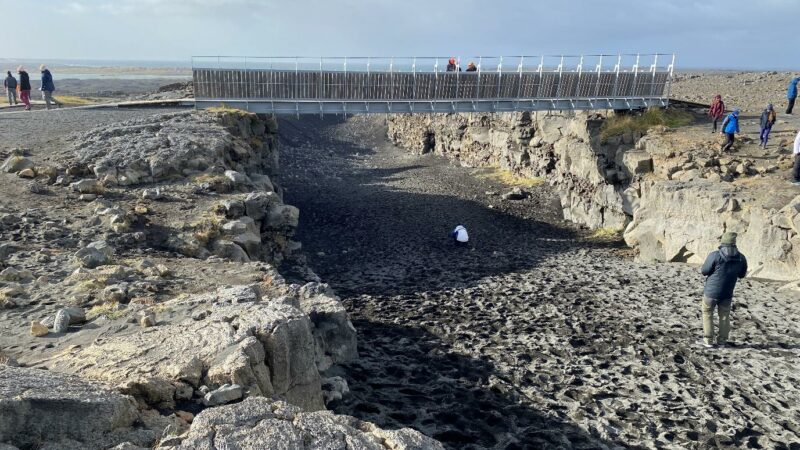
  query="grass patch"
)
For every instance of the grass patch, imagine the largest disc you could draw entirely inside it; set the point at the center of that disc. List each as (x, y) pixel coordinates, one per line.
(607, 233)
(109, 310)
(223, 108)
(509, 178)
(619, 125)
(72, 100)
(207, 228)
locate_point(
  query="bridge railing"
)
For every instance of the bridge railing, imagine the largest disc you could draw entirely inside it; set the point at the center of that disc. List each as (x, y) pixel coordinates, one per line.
(530, 81)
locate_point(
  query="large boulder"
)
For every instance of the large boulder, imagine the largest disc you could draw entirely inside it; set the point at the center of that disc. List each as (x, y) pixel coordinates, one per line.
(267, 348)
(39, 407)
(334, 334)
(261, 423)
(167, 146)
(683, 221)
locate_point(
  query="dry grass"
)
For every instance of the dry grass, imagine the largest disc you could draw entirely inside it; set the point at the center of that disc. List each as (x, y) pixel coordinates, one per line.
(508, 178)
(223, 108)
(207, 228)
(110, 310)
(72, 100)
(607, 233)
(628, 123)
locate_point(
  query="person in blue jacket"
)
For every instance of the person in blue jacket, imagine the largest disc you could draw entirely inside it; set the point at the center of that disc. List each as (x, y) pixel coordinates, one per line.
(730, 127)
(48, 87)
(791, 94)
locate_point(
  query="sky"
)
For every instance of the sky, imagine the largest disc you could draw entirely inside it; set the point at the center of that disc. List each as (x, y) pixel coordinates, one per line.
(725, 34)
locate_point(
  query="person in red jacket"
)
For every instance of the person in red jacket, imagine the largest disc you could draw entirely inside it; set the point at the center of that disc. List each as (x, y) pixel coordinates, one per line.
(716, 111)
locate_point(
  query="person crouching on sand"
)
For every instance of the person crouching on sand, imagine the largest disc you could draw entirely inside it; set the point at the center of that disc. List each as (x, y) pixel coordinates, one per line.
(716, 111)
(460, 236)
(723, 268)
(24, 87)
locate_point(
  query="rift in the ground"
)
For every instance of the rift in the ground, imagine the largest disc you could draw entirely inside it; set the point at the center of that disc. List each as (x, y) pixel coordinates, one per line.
(535, 336)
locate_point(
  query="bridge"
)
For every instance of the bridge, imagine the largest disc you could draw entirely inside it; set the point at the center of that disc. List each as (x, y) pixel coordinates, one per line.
(336, 85)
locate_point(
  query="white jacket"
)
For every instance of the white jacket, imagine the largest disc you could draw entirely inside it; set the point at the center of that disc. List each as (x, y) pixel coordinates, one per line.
(796, 145)
(460, 233)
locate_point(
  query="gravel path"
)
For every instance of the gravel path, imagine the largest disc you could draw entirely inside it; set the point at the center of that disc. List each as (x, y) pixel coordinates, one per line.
(26, 128)
(536, 336)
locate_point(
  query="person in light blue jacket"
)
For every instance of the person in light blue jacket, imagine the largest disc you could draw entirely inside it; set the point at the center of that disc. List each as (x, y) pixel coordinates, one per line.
(791, 94)
(730, 127)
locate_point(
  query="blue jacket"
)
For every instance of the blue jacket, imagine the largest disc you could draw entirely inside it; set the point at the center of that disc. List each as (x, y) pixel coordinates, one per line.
(47, 81)
(723, 268)
(731, 124)
(792, 91)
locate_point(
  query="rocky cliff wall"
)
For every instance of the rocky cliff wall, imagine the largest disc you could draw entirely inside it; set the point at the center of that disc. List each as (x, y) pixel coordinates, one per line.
(144, 288)
(563, 148)
(672, 203)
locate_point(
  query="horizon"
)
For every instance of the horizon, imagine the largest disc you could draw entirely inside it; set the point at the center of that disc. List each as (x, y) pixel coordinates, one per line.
(129, 30)
(187, 63)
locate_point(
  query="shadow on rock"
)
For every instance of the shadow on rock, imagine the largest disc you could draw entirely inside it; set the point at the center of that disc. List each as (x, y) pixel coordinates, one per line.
(379, 225)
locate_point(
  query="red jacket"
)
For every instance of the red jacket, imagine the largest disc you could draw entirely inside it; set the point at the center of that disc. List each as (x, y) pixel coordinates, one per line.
(717, 108)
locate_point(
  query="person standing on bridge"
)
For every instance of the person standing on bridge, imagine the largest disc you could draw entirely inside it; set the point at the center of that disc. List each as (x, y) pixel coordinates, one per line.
(722, 268)
(48, 87)
(791, 94)
(471, 67)
(768, 118)
(452, 66)
(716, 111)
(460, 236)
(730, 127)
(10, 83)
(24, 87)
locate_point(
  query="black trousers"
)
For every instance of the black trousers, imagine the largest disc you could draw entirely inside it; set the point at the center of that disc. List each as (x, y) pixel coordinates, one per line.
(796, 170)
(791, 106)
(729, 139)
(716, 120)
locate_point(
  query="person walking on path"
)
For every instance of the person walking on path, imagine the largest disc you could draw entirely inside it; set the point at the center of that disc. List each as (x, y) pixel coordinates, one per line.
(716, 111)
(730, 127)
(768, 118)
(10, 83)
(791, 94)
(723, 268)
(796, 168)
(24, 87)
(48, 87)
(460, 236)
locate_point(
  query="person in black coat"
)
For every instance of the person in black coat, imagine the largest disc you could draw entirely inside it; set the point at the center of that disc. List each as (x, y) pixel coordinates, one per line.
(10, 83)
(24, 87)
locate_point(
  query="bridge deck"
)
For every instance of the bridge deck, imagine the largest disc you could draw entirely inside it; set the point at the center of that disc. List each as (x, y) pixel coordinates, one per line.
(303, 91)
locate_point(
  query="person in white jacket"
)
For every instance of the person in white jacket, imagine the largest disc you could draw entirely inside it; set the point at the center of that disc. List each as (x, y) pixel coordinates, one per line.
(796, 152)
(460, 236)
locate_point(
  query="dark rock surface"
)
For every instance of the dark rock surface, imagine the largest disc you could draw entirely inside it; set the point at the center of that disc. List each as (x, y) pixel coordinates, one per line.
(536, 336)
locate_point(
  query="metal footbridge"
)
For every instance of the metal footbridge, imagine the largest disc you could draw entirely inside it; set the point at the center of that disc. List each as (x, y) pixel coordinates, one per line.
(336, 85)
